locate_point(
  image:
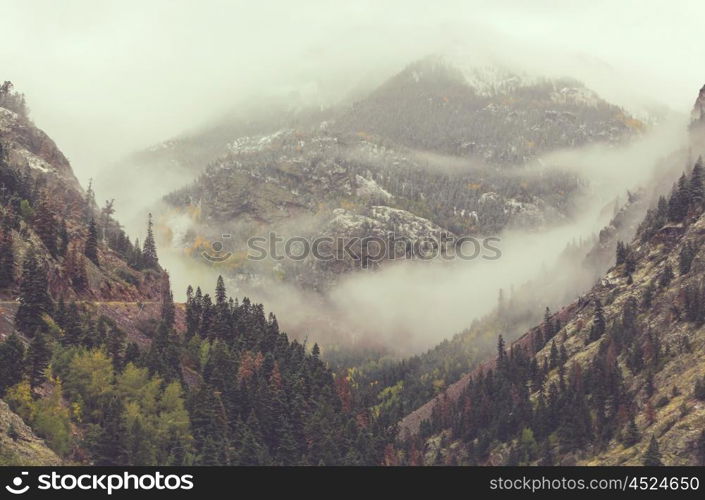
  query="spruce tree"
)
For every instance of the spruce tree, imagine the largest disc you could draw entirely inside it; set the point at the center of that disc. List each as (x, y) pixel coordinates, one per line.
(91, 249)
(700, 449)
(652, 457)
(222, 328)
(168, 312)
(38, 357)
(115, 344)
(73, 333)
(598, 322)
(687, 254)
(7, 259)
(210, 429)
(631, 434)
(501, 351)
(621, 252)
(220, 293)
(34, 296)
(132, 353)
(164, 357)
(678, 203)
(89, 203)
(45, 226)
(699, 389)
(12, 365)
(696, 186)
(149, 251)
(548, 331)
(110, 447)
(666, 276)
(554, 355)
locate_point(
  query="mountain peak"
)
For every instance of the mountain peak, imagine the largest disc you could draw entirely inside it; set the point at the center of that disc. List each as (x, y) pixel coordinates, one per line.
(433, 68)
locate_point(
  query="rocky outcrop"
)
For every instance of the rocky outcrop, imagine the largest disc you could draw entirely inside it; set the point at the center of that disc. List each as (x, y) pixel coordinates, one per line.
(19, 445)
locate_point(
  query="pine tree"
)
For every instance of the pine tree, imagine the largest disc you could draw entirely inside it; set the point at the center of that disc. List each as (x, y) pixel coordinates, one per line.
(548, 331)
(696, 186)
(652, 457)
(678, 203)
(110, 448)
(115, 344)
(91, 249)
(106, 212)
(12, 366)
(149, 251)
(132, 353)
(598, 322)
(139, 447)
(73, 333)
(220, 293)
(621, 252)
(38, 356)
(666, 276)
(89, 202)
(501, 351)
(700, 449)
(631, 434)
(648, 296)
(164, 357)
(75, 268)
(687, 254)
(134, 256)
(168, 312)
(7, 259)
(699, 389)
(554, 355)
(562, 355)
(45, 226)
(210, 429)
(34, 296)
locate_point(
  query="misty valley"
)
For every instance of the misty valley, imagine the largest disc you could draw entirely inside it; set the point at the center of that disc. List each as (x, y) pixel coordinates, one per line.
(453, 259)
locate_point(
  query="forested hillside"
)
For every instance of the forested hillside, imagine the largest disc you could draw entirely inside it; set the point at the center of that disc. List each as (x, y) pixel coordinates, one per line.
(612, 379)
(98, 360)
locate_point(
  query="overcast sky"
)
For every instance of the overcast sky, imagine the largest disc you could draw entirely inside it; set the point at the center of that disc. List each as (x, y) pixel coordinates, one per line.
(105, 78)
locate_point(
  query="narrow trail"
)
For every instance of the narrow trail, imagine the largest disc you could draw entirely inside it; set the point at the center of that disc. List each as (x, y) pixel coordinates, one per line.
(109, 303)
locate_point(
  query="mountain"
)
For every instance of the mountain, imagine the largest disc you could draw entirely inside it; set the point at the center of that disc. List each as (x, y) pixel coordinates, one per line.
(437, 147)
(315, 184)
(487, 113)
(613, 378)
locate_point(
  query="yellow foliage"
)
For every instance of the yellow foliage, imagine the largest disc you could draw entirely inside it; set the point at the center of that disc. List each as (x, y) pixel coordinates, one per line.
(76, 411)
(19, 397)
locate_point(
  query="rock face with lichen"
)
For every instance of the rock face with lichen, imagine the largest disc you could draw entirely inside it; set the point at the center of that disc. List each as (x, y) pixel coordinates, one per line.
(19, 445)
